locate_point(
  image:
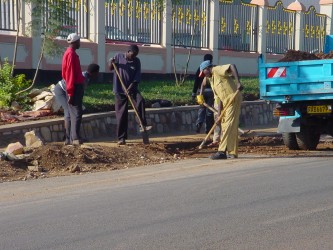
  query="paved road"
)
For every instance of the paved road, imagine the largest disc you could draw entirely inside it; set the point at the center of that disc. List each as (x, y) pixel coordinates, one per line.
(248, 203)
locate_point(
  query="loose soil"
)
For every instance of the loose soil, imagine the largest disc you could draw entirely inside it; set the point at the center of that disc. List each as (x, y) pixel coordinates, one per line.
(55, 159)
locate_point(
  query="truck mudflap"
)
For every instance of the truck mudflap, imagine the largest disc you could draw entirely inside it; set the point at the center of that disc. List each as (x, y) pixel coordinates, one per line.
(289, 125)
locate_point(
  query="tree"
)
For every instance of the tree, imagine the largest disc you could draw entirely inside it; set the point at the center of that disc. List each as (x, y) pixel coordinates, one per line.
(180, 78)
(48, 19)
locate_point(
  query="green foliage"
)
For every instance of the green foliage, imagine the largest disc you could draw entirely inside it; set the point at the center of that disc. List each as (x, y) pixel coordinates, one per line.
(10, 85)
(51, 20)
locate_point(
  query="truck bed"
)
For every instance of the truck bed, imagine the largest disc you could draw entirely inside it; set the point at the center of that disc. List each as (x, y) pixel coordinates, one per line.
(296, 81)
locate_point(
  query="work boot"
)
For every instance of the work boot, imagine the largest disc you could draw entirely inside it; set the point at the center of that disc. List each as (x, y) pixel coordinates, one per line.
(121, 142)
(232, 156)
(198, 127)
(219, 155)
(77, 142)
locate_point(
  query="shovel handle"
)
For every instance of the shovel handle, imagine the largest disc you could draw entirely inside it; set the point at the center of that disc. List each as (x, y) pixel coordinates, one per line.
(219, 119)
(128, 96)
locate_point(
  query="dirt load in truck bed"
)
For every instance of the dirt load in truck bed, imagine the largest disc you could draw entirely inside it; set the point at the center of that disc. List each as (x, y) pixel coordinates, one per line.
(296, 55)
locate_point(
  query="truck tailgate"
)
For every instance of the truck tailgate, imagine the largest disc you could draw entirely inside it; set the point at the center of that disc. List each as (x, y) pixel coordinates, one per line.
(296, 81)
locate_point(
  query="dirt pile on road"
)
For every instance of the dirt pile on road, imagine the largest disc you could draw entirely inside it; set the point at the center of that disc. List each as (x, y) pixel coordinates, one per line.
(54, 159)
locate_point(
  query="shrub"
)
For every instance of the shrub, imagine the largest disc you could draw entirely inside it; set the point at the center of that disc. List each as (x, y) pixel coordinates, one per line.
(10, 85)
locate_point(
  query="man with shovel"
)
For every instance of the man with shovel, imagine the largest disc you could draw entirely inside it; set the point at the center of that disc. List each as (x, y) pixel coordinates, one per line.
(128, 66)
(224, 80)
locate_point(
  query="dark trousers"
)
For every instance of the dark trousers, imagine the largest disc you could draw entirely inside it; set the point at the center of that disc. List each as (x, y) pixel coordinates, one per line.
(73, 123)
(204, 114)
(121, 107)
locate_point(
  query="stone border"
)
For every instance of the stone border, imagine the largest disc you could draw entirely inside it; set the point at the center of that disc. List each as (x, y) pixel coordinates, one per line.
(173, 120)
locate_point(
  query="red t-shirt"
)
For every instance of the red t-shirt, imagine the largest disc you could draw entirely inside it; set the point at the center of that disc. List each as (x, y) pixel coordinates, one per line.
(71, 70)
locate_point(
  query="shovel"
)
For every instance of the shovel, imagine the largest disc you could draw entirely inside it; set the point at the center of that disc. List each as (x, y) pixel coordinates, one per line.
(143, 130)
(218, 120)
(241, 131)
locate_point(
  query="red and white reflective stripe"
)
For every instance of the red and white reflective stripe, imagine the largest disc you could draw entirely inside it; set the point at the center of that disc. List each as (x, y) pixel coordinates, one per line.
(276, 72)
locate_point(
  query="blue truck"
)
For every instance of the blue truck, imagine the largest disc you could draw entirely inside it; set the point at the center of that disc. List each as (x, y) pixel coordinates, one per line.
(303, 93)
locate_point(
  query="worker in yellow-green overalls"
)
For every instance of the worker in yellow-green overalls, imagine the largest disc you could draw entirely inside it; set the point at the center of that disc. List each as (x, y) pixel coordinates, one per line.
(224, 80)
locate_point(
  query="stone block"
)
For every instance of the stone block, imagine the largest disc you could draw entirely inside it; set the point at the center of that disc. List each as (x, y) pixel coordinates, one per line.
(46, 133)
(159, 128)
(35, 168)
(32, 140)
(157, 118)
(15, 148)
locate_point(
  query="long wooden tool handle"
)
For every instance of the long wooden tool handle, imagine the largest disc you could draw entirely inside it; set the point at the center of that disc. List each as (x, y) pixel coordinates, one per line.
(219, 119)
(128, 95)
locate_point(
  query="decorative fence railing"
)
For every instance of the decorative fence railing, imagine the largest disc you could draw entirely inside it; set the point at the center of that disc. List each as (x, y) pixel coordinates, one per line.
(8, 15)
(142, 21)
(132, 20)
(238, 26)
(190, 23)
(313, 32)
(76, 20)
(280, 29)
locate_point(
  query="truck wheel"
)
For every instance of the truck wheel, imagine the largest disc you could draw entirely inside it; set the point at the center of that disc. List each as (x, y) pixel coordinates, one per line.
(308, 138)
(290, 141)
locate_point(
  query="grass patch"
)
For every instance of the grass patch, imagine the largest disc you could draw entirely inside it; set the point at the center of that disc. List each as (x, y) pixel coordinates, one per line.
(99, 97)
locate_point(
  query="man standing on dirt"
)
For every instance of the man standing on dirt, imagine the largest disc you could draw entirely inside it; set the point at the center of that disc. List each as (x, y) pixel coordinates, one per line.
(72, 74)
(225, 87)
(204, 114)
(61, 96)
(129, 67)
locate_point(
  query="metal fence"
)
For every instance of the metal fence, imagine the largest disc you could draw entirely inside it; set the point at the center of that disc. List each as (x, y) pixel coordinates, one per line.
(76, 19)
(8, 15)
(313, 33)
(280, 29)
(190, 23)
(238, 26)
(141, 21)
(133, 20)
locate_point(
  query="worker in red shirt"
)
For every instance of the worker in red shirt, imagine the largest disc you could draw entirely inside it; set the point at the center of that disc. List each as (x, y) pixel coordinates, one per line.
(72, 74)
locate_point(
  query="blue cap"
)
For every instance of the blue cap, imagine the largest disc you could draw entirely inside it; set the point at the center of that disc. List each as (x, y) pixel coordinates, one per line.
(205, 64)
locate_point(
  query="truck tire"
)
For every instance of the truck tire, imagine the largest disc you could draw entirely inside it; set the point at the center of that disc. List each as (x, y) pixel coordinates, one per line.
(290, 141)
(308, 138)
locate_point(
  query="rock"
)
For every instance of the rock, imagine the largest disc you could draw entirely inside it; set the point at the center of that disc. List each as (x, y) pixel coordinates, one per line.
(42, 96)
(156, 105)
(15, 148)
(40, 104)
(3, 156)
(75, 168)
(37, 113)
(35, 92)
(32, 140)
(15, 105)
(35, 168)
(12, 157)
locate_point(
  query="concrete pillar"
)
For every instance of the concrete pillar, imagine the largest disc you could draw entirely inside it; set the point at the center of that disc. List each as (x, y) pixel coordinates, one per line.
(299, 27)
(36, 38)
(97, 31)
(167, 35)
(214, 29)
(326, 7)
(298, 7)
(261, 34)
(23, 8)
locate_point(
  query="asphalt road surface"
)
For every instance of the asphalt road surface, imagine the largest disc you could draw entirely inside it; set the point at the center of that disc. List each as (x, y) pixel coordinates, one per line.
(247, 203)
